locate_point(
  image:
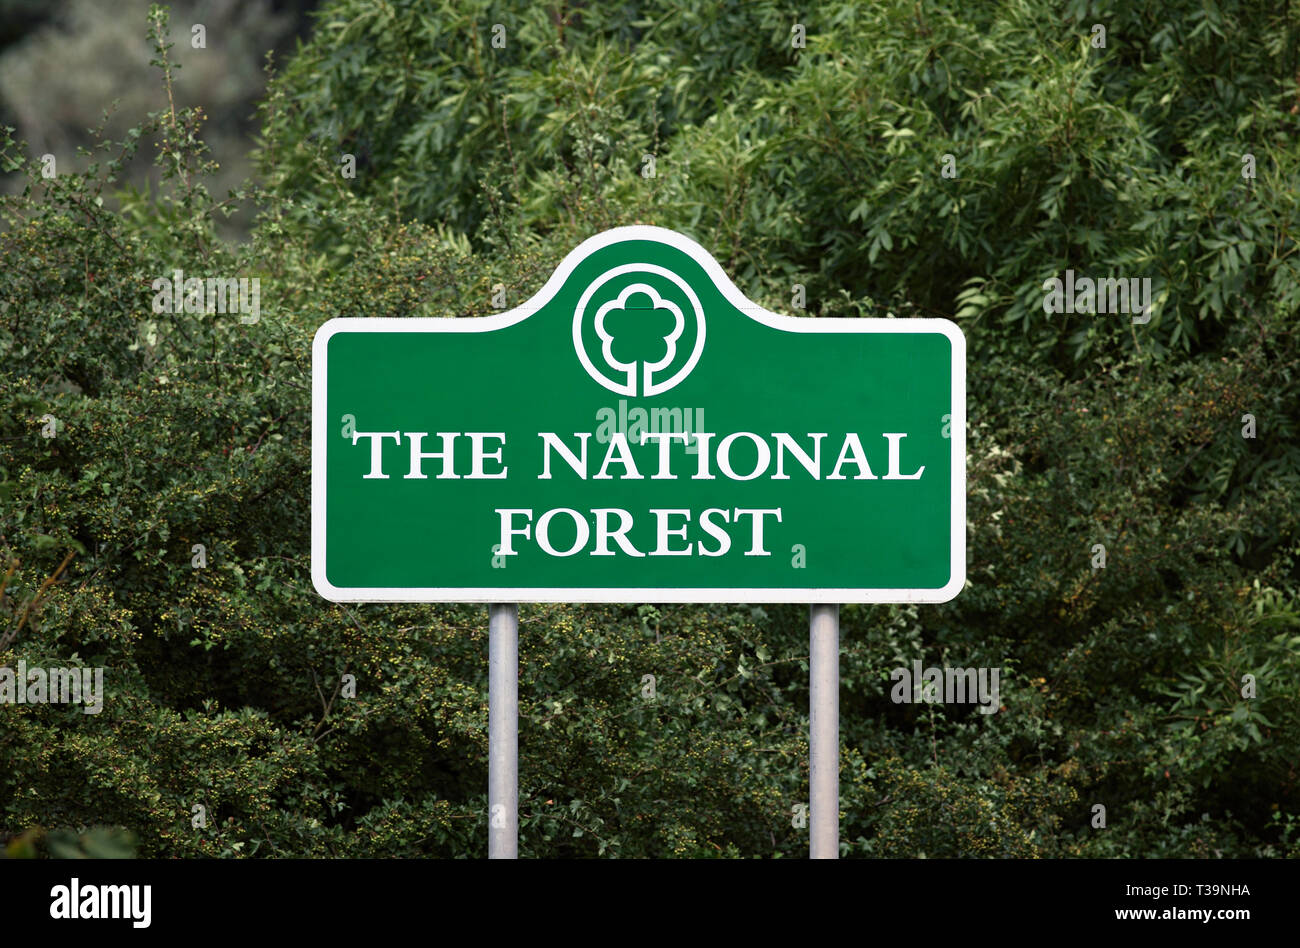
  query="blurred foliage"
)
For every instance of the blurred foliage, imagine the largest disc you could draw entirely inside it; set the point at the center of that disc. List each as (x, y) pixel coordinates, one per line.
(73, 66)
(1121, 686)
(99, 842)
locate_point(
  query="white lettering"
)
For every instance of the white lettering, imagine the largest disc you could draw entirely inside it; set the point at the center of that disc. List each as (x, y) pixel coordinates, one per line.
(665, 443)
(893, 474)
(376, 450)
(447, 455)
(663, 532)
(508, 528)
(578, 463)
(618, 445)
(619, 536)
(713, 530)
(852, 445)
(760, 465)
(756, 549)
(813, 465)
(583, 532)
(478, 456)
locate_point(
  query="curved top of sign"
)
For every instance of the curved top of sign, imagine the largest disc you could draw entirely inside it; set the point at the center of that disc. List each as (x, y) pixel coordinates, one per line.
(710, 461)
(711, 268)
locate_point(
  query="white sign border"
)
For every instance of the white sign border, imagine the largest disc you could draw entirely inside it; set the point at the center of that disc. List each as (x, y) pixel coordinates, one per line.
(578, 594)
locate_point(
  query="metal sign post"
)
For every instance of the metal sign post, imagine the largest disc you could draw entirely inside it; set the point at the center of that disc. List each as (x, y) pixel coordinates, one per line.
(824, 731)
(503, 731)
(731, 454)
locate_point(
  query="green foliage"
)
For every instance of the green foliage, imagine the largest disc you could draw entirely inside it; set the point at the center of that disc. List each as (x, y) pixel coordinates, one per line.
(99, 842)
(1121, 685)
(85, 67)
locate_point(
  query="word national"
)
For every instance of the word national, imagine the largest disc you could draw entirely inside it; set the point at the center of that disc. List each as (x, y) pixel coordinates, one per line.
(103, 901)
(955, 685)
(53, 686)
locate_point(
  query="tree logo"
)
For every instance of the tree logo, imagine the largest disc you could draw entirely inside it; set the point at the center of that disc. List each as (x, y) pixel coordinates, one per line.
(638, 329)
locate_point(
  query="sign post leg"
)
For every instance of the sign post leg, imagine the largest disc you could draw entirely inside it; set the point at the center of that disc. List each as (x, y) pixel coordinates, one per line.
(503, 730)
(824, 731)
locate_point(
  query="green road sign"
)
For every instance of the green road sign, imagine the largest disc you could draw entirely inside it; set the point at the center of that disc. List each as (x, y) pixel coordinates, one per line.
(638, 431)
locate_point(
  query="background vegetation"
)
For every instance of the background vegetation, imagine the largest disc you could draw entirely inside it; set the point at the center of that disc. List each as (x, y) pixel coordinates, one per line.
(818, 165)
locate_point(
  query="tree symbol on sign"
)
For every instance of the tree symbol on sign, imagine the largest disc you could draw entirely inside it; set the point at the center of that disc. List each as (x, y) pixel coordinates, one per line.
(639, 327)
